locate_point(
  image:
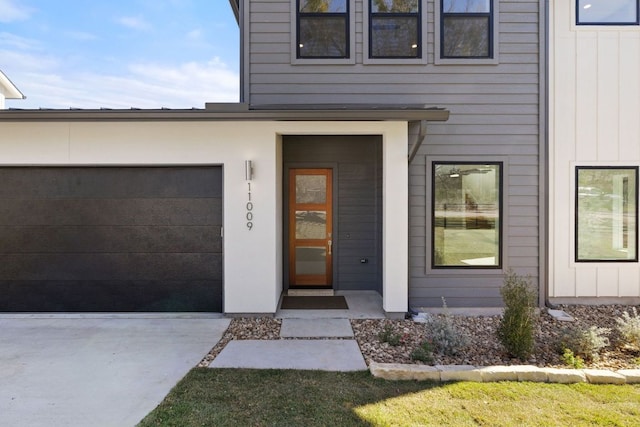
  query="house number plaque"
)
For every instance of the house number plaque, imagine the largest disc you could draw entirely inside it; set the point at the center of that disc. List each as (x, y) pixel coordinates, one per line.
(249, 207)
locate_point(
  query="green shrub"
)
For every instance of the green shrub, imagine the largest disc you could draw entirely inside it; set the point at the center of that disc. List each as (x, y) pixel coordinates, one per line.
(629, 328)
(389, 336)
(570, 359)
(516, 328)
(585, 342)
(445, 336)
(423, 353)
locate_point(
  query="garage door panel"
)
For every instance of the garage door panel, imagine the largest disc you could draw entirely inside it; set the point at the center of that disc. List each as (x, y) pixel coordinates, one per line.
(112, 212)
(111, 296)
(108, 182)
(111, 238)
(100, 239)
(116, 266)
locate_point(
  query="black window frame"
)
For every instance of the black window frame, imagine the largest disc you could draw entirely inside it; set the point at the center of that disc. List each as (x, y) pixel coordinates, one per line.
(417, 15)
(499, 264)
(605, 24)
(345, 15)
(576, 213)
(490, 30)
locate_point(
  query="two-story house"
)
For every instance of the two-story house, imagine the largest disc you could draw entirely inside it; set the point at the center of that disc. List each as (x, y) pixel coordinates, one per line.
(594, 153)
(393, 146)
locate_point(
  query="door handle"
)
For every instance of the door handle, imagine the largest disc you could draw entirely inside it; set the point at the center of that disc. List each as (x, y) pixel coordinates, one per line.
(330, 245)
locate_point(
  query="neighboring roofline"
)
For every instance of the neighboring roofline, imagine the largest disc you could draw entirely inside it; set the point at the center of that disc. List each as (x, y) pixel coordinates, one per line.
(236, 112)
(235, 6)
(9, 90)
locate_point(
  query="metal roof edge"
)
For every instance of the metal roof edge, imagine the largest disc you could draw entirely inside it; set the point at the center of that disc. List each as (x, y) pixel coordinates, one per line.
(234, 112)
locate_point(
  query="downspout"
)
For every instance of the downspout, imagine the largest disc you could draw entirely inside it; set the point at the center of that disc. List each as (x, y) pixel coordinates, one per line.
(543, 209)
(419, 140)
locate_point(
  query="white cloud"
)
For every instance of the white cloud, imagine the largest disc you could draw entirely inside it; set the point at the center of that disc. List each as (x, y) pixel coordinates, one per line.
(195, 34)
(80, 35)
(10, 11)
(18, 42)
(145, 86)
(134, 23)
(23, 62)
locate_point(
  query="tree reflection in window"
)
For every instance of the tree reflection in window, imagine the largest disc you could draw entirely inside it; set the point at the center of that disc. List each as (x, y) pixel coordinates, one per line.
(466, 29)
(323, 29)
(466, 216)
(606, 213)
(394, 29)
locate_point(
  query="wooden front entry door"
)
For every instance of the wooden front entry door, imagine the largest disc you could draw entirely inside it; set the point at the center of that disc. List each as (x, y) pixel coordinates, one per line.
(310, 228)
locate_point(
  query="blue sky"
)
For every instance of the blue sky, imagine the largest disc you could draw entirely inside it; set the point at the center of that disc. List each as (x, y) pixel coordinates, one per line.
(119, 53)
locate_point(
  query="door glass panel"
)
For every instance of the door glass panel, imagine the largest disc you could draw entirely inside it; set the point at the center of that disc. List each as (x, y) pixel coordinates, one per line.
(311, 189)
(310, 260)
(311, 224)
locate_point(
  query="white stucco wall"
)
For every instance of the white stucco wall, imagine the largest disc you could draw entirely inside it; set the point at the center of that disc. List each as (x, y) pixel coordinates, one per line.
(252, 258)
(594, 119)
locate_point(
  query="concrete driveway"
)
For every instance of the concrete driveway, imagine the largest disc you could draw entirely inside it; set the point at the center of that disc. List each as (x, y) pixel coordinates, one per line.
(95, 371)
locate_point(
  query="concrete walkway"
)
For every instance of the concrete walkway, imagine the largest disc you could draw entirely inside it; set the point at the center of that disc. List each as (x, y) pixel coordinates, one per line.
(309, 339)
(311, 344)
(85, 371)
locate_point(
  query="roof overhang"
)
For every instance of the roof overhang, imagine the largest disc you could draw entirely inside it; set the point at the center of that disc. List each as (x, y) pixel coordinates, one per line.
(235, 7)
(8, 89)
(237, 112)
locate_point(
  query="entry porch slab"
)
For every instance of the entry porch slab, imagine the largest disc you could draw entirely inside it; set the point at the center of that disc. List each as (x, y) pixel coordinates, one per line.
(324, 355)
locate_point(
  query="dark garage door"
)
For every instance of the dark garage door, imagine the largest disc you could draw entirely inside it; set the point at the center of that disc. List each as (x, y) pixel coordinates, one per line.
(114, 239)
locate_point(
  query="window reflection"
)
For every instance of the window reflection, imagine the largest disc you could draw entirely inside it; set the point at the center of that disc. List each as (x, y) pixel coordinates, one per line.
(466, 215)
(606, 209)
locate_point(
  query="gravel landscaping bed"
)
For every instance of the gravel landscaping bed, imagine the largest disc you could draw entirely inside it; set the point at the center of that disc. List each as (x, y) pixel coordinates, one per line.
(482, 349)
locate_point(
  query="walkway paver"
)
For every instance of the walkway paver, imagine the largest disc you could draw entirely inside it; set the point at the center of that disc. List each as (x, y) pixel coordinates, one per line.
(316, 328)
(326, 355)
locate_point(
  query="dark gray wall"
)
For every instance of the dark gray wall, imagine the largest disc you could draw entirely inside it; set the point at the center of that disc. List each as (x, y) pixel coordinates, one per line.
(110, 239)
(357, 202)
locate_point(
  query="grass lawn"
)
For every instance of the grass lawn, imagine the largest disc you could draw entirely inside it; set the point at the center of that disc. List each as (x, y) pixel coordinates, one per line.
(241, 397)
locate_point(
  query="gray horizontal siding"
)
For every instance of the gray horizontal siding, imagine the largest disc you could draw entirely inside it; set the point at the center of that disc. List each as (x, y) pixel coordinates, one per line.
(494, 114)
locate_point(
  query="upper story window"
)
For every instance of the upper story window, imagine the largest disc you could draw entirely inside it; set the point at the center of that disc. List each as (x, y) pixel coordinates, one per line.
(323, 29)
(466, 28)
(394, 29)
(607, 12)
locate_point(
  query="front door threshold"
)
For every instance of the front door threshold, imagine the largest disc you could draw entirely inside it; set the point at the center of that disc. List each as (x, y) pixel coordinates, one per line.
(310, 292)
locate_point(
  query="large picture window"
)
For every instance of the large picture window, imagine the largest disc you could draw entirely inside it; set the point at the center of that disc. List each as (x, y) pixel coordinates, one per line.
(394, 29)
(606, 214)
(323, 29)
(607, 12)
(466, 28)
(467, 215)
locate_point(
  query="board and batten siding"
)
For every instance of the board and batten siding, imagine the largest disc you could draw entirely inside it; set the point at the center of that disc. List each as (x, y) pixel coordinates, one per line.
(494, 117)
(594, 119)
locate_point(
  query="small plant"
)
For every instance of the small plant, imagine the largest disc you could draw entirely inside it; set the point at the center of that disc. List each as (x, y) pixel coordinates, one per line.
(389, 336)
(586, 342)
(570, 359)
(423, 353)
(629, 328)
(446, 337)
(516, 329)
